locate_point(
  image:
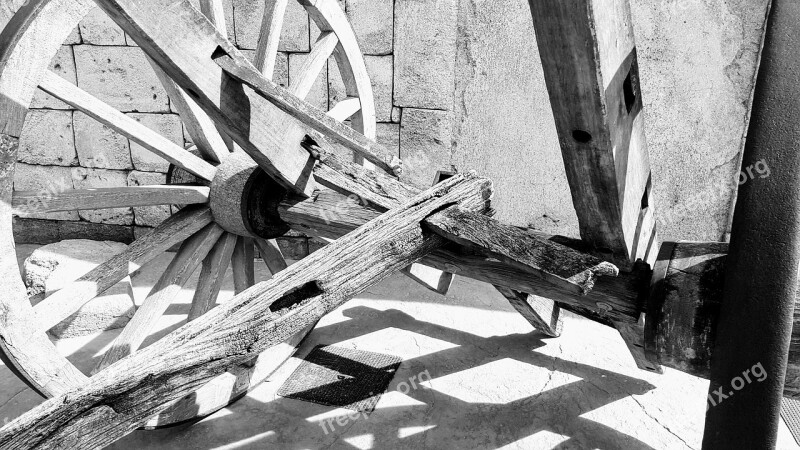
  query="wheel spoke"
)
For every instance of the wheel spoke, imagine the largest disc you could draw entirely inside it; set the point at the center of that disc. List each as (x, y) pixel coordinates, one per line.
(272, 255)
(191, 253)
(200, 127)
(133, 130)
(66, 301)
(242, 263)
(215, 13)
(314, 63)
(268, 40)
(211, 276)
(345, 109)
(102, 198)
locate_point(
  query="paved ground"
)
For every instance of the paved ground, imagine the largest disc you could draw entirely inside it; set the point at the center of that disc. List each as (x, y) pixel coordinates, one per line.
(494, 382)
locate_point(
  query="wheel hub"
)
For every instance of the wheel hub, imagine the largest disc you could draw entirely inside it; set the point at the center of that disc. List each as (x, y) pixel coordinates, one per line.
(244, 199)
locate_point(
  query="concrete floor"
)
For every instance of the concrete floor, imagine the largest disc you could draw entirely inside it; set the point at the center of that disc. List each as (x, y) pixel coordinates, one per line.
(494, 382)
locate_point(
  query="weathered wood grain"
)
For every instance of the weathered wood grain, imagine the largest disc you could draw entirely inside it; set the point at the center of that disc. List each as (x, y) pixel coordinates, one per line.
(591, 71)
(314, 63)
(269, 37)
(329, 215)
(565, 268)
(124, 396)
(242, 264)
(130, 128)
(212, 274)
(61, 304)
(271, 254)
(99, 198)
(175, 276)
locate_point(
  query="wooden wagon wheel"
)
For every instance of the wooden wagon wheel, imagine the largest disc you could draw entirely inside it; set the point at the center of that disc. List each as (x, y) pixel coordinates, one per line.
(212, 227)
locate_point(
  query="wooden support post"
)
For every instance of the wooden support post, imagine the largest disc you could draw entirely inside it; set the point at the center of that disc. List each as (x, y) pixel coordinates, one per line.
(588, 53)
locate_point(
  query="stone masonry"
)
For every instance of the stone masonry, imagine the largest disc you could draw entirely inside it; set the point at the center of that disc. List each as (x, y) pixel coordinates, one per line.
(458, 84)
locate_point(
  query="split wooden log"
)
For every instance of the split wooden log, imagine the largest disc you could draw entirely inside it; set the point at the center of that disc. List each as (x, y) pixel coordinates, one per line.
(125, 395)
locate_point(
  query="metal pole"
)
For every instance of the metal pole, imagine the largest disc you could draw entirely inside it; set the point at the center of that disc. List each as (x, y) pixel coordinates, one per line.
(755, 323)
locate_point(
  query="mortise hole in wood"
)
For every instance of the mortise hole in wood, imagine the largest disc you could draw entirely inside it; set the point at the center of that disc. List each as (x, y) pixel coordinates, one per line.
(297, 296)
(628, 92)
(646, 194)
(581, 136)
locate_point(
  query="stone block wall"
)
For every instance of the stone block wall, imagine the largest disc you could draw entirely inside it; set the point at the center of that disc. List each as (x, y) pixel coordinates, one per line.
(458, 84)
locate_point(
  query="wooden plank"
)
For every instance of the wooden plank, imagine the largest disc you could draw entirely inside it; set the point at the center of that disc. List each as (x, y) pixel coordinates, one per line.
(200, 127)
(175, 276)
(271, 254)
(183, 43)
(591, 70)
(314, 63)
(61, 304)
(269, 38)
(124, 397)
(330, 215)
(212, 274)
(563, 267)
(133, 130)
(242, 263)
(215, 13)
(100, 198)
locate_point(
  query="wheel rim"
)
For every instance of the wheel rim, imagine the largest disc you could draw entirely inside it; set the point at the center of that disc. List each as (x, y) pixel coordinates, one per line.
(35, 34)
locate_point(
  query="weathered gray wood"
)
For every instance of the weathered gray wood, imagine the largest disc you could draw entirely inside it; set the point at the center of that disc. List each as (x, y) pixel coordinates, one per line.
(563, 267)
(177, 273)
(313, 64)
(591, 70)
(212, 274)
(544, 314)
(123, 397)
(329, 215)
(242, 264)
(130, 128)
(271, 254)
(63, 303)
(99, 198)
(269, 37)
(30, 353)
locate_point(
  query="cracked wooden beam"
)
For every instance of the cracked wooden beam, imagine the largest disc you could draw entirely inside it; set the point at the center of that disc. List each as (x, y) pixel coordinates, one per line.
(329, 215)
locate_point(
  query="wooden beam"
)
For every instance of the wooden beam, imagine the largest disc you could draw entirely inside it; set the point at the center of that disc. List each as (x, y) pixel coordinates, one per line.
(592, 75)
(588, 53)
(130, 128)
(329, 215)
(233, 92)
(100, 198)
(124, 396)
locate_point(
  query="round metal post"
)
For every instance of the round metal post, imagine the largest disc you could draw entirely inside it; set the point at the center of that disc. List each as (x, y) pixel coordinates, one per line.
(755, 323)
